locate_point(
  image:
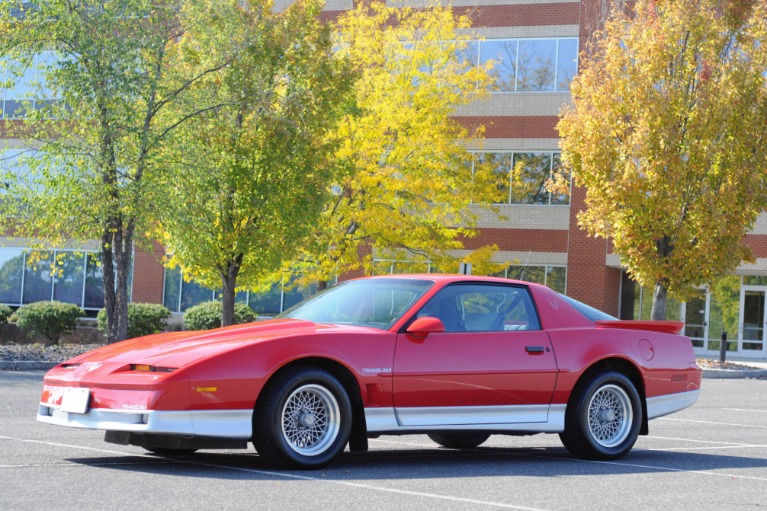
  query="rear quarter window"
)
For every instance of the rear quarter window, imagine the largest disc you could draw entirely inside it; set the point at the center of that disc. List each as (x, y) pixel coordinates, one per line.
(588, 311)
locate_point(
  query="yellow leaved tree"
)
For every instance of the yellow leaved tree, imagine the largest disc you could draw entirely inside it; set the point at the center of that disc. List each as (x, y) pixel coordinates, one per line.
(407, 179)
(667, 134)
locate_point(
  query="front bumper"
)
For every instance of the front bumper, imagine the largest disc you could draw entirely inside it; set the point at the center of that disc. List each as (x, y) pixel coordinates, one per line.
(234, 424)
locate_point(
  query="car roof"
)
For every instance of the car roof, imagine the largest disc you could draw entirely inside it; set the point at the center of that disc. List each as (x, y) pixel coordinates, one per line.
(446, 278)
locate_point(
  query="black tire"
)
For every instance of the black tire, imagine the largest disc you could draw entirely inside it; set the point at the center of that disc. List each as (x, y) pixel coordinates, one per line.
(303, 419)
(603, 418)
(168, 451)
(459, 440)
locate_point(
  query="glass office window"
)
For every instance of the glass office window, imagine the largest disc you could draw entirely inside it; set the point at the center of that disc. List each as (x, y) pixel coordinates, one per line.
(69, 277)
(537, 65)
(11, 275)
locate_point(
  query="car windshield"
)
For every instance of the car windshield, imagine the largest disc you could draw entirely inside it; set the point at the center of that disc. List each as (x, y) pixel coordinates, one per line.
(591, 313)
(376, 303)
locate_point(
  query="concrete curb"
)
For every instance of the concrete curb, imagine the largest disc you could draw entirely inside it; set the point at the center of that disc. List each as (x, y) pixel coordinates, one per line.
(734, 373)
(26, 365)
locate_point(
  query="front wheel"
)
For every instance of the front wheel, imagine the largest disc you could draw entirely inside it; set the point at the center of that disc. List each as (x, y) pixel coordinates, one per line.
(304, 419)
(603, 418)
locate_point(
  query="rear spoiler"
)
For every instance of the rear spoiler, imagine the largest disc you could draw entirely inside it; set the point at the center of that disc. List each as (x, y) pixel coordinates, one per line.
(667, 327)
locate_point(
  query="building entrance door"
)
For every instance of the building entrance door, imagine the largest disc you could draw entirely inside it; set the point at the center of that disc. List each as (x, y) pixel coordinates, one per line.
(751, 331)
(696, 321)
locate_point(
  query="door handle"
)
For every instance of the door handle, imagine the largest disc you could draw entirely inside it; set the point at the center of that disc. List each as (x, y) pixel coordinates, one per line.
(534, 350)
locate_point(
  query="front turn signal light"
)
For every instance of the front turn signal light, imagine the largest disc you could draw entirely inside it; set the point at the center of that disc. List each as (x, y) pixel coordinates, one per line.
(146, 368)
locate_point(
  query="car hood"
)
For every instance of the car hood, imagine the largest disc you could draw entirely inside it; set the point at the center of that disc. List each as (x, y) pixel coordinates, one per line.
(177, 349)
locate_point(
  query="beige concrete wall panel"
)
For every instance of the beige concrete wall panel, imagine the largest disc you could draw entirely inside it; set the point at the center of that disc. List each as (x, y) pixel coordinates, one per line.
(9, 242)
(522, 32)
(514, 144)
(517, 104)
(522, 216)
(12, 143)
(529, 258)
(760, 226)
(759, 267)
(330, 5)
(477, 3)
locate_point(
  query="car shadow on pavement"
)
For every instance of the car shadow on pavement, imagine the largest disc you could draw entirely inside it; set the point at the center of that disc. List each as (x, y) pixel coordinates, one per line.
(425, 463)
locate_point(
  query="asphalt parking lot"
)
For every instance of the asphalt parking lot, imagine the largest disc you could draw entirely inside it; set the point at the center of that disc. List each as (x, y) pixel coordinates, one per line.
(710, 456)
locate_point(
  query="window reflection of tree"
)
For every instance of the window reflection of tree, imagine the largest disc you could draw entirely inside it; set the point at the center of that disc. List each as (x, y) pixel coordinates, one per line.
(25, 85)
(530, 174)
(504, 72)
(499, 165)
(537, 65)
(11, 273)
(37, 277)
(267, 302)
(69, 277)
(94, 283)
(524, 65)
(556, 278)
(567, 63)
(468, 56)
(534, 177)
(560, 183)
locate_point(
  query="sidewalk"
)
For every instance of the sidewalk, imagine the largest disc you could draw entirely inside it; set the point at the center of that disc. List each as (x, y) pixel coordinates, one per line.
(736, 367)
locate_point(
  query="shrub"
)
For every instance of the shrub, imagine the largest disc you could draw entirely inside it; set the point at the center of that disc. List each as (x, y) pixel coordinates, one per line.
(143, 319)
(49, 319)
(5, 313)
(207, 315)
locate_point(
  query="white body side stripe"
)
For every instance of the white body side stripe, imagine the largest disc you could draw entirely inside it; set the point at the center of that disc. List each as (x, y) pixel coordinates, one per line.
(494, 418)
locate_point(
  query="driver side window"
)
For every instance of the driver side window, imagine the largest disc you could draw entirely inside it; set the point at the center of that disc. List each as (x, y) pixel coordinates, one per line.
(483, 308)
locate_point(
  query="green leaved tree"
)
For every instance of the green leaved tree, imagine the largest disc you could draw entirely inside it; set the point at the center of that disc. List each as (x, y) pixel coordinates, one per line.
(247, 181)
(103, 101)
(667, 134)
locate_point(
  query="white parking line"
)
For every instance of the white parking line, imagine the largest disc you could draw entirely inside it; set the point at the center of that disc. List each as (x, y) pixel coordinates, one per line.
(729, 445)
(719, 447)
(699, 441)
(372, 487)
(711, 422)
(745, 410)
(667, 469)
(724, 445)
(54, 444)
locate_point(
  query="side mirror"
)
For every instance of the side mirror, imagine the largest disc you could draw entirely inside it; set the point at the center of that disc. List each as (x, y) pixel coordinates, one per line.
(422, 327)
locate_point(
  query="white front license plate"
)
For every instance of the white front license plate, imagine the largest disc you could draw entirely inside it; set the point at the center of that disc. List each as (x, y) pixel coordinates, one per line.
(75, 400)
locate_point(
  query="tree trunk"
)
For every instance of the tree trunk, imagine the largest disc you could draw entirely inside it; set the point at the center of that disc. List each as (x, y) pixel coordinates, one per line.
(123, 257)
(659, 301)
(108, 275)
(228, 286)
(116, 252)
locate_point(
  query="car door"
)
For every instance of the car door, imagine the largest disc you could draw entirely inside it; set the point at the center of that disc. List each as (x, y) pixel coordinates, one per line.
(492, 365)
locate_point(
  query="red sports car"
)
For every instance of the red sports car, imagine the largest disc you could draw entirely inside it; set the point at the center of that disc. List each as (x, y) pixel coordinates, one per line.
(456, 357)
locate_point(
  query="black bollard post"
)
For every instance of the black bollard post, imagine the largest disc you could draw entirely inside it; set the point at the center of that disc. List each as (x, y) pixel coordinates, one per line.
(723, 348)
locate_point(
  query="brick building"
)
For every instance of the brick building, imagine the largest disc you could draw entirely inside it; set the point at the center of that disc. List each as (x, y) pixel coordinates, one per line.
(538, 234)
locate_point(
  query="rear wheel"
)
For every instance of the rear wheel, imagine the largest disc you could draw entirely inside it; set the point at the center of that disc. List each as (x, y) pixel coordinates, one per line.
(603, 418)
(304, 419)
(459, 440)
